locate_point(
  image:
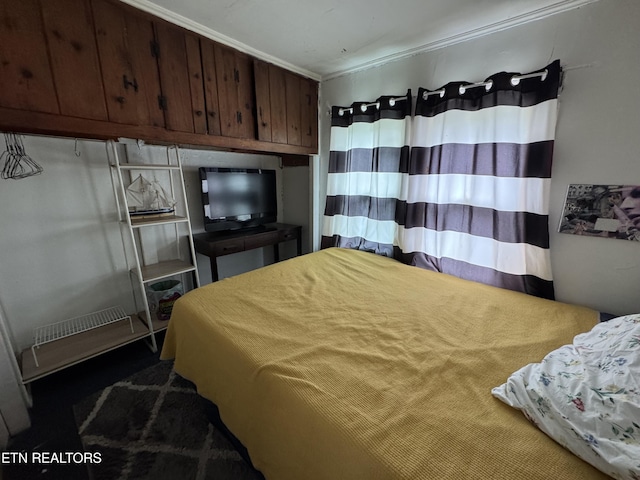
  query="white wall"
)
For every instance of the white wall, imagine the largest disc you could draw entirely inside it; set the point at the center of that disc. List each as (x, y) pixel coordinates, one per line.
(598, 126)
(61, 252)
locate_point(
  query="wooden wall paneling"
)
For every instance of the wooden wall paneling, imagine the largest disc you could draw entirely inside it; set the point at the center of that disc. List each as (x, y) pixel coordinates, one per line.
(294, 136)
(309, 112)
(278, 94)
(210, 86)
(129, 69)
(73, 51)
(26, 79)
(263, 100)
(174, 77)
(194, 61)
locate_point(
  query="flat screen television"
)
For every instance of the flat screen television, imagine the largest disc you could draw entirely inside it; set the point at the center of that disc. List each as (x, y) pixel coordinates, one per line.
(235, 198)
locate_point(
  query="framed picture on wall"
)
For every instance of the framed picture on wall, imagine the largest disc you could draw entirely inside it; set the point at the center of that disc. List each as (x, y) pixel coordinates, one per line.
(609, 211)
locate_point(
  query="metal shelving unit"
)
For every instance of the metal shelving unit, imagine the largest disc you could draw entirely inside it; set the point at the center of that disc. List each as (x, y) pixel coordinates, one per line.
(73, 326)
(62, 344)
(143, 273)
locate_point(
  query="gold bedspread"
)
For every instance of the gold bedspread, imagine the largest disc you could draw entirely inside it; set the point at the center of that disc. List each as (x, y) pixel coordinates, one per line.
(342, 365)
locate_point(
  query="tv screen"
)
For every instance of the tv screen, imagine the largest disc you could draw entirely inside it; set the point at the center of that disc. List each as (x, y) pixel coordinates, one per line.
(235, 198)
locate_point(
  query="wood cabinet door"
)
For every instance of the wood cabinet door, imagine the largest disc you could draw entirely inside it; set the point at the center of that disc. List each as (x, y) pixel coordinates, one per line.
(181, 79)
(212, 110)
(129, 69)
(271, 102)
(309, 113)
(68, 25)
(263, 100)
(286, 105)
(26, 80)
(234, 73)
(294, 125)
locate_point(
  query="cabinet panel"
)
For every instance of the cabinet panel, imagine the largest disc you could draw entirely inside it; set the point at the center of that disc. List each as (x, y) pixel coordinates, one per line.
(207, 50)
(278, 95)
(263, 101)
(26, 80)
(287, 106)
(246, 95)
(293, 109)
(178, 66)
(234, 72)
(196, 83)
(74, 58)
(309, 113)
(129, 69)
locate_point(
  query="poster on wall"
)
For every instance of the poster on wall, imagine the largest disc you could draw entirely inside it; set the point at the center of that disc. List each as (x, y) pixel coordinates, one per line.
(609, 211)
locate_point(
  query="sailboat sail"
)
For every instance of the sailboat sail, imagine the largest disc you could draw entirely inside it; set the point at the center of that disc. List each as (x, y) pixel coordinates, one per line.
(148, 197)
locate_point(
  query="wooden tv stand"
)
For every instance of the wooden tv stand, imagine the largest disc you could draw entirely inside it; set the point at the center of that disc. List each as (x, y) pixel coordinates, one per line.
(215, 245)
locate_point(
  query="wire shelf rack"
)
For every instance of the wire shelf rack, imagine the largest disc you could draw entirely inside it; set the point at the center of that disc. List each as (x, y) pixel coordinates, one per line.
(73, 326)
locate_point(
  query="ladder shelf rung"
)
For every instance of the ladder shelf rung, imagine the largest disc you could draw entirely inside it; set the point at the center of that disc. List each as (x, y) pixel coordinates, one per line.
(137, 222)
(148, 166)
(158, 271)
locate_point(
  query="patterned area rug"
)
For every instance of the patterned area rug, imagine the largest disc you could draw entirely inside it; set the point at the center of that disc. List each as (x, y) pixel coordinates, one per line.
(153, 425)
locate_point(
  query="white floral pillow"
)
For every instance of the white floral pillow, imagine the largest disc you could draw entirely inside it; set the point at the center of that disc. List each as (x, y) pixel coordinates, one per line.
(586, 396)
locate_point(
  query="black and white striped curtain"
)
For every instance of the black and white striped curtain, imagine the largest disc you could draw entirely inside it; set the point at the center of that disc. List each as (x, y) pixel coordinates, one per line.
(369, 149)
(474, 196)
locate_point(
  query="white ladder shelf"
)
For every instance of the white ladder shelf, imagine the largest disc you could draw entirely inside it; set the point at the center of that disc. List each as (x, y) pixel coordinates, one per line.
(142, 273)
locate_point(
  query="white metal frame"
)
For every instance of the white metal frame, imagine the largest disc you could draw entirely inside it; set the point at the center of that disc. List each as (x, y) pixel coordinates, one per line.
(145, 274)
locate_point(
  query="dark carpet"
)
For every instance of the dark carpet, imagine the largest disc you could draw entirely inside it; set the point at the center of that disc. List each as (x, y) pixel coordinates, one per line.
(153, 425)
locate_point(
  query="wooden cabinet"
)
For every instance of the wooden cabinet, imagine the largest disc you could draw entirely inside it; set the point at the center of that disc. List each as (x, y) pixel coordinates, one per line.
(212, 107)
(26, 80)
(49, 58)
(182, 99)
(228, 86)
(151, 70)
(68, 26)
(287, 106)
(103, 69)
(129, 70)
(234, 73)
(309, 113)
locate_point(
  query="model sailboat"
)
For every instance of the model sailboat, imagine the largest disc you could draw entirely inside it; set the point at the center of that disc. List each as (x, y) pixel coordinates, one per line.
(147, 197)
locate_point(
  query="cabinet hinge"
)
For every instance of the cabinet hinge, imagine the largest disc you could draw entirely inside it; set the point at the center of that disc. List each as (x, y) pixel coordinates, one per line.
(128, 83)
(162, 102)
(239, 118)
(155, 49)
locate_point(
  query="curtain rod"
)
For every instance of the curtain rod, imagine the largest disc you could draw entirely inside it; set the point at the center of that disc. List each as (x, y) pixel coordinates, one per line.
(515, 80)
(364, 106)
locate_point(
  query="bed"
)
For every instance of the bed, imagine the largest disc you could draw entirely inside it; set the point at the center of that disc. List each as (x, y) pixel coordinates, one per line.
(343, 364)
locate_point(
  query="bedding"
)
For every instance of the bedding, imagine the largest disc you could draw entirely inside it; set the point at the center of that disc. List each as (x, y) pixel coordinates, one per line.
(343, 364)
(586, 396)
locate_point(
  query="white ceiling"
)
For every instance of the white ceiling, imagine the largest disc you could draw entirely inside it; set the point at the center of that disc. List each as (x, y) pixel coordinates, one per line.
(326, 38)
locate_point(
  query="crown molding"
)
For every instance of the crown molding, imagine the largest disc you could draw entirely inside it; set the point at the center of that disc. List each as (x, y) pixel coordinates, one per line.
(168, 15)
(195, 27)
(539, 14)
